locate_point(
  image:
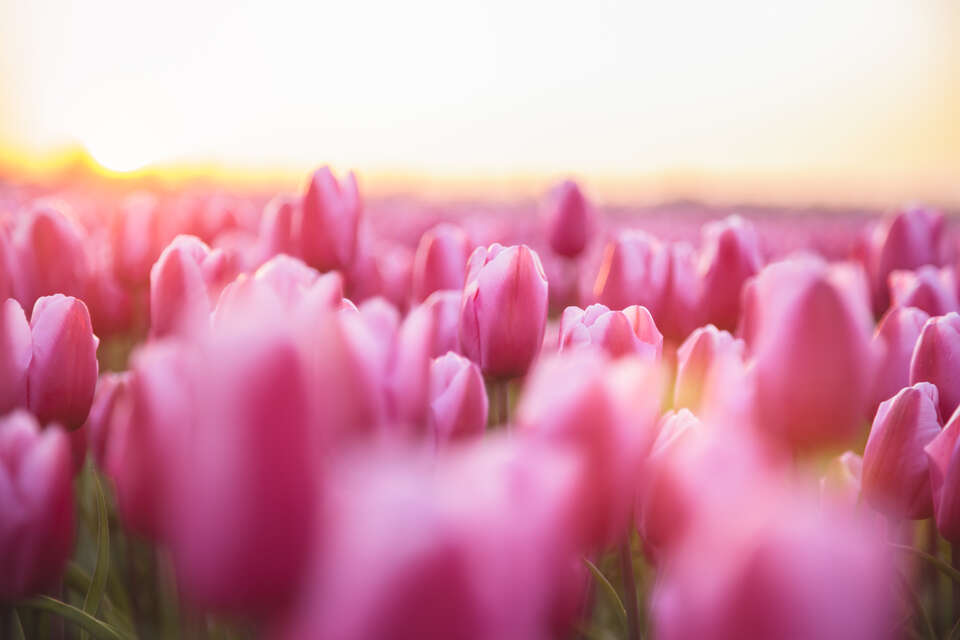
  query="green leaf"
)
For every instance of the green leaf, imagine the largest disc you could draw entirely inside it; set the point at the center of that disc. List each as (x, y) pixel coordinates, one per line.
(91, 602)
(610, 590)
(917, 605)
(944, 568)
(97, 628)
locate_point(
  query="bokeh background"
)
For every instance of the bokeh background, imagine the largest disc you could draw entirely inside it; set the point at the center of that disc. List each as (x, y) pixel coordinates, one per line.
(851, 101)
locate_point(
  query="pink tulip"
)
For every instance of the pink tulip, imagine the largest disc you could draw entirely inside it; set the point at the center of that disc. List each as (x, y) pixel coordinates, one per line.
(16, 351)
(10, 285)
(840, 483)
(440, 261)
(894, 341)
(326, 222)
(112, 389)
(945, 479)
(698, 367)
(63, 369)
(179, 298)
(619, 333)
(276, 228)
(935, 357)
(809, 335)
(36, 500)
(51, 255)
(634, 270)
(458, 399)
(895, 468)
(729, 257)
(408, 383)
(445, 308)
(569, 219)
(241, 491)
(383, 320)
(136, 240)
(503, 312)
(680, 313)
(929, 288)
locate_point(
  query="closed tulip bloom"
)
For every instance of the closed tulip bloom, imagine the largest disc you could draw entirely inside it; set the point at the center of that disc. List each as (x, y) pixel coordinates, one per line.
(445, 307)
(326, 222)
(10, 286)
(935, 359)
(503, 312)
(408, 383)
(112, 389)
(729, 257)
(16, 351)
(945, 479)
(36, 500)
(51, 256)
(894, 341)
(458, 399)
(136, 239)
(276, 228)
(929, 288)
(697, 364)
(680, 313)
(440, 261)
(813, 363)
(619, 333)
(634, 270)
(63, 369)
(569, 219)
(179, 299)
(896, 479)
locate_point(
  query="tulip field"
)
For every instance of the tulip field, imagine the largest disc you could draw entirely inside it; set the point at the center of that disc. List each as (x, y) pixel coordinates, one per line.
(227, 414)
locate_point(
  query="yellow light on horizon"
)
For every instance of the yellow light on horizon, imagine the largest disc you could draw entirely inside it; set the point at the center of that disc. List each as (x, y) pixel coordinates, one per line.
(117, 157)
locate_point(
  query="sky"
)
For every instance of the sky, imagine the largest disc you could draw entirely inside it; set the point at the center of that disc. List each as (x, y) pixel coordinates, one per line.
(849, 93)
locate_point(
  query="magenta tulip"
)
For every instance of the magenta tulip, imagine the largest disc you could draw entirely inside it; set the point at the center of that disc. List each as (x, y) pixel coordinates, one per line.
(16, 351)
(896, 478)
(634, 270)
(730, 255)
(935, 359)
(110, 396)
(440, 261)
(680, 313)
(458, 399)
(503, 313)
(945, 479)
(326, 222)
(179, 299)
(698, 367)
(63, 369)
(894, 341)
(929, 288)
(569, 219)
(36, 500)
(51, 255)
(619, 333)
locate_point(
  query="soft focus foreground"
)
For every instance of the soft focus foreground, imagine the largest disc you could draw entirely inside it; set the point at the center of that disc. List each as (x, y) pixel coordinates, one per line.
(304, 415)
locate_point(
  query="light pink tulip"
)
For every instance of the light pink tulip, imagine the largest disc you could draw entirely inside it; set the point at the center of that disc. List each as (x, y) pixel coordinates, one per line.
(276, 228)
(942, 454)
(569, 219)
(51, 255)
(503, 312)
(136, 239)
(179, 298)
(680, 313)
(697, 365)
(840, 482)
(935, 359)
(63, 369)
(634, 270)
(458, 399)
(440, 261)
(445, 307)
(408, 382)
(111, 393)
(894, 341)
(929, 288)
(730, 255)
(327, 220)
(619, 333)
(36, 500)
(16, 351)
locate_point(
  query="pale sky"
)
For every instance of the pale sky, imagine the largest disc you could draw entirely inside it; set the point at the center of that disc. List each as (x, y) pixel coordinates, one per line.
(838, 87)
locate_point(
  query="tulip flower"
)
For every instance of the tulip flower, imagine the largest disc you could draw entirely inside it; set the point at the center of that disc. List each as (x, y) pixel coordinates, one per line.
(51, 256)
(445, 308)
(36, 500)
(840, 483)
(503, 312)
(179, 298)
(730, 255)
(697, 365)
(63, 369)
(895, 469)
(634, 270)
(276, 228)
(408, 383)
(619, 333)
(945, 479)
(112, 390)
(440, 261)
(569, 219)
(808, 332)
(16, 351)
(326, 222)
(10, 284)
(679, 312)
(928, 288)
(136, 240)
(458, 399)
(894, 341)
(935, 357)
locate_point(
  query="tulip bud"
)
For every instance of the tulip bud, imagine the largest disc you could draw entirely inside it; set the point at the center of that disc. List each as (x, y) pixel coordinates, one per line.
(813, 364)
(408, 383)
(894, 342)
(51, 256)
(112, 388)
(935, 357)
(503, 312)
(680, 313)
(634, 270)
(63, 369)
(440, 261)
(179, 300)
(458, 399)
(944, 461)
(16, 351)
(729, 257)
(36, 500)
(136, 239)
(276, 228)
(697, 364)
(569, 219)
(445, 307)
(327, 221)
(10, 285)
(619, 333)
(895, 469)
(928, 288)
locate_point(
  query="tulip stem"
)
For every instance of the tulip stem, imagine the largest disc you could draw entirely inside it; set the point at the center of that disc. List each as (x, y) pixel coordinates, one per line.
(931, 576)
(629, 590)
(501, 400)
(955, 563)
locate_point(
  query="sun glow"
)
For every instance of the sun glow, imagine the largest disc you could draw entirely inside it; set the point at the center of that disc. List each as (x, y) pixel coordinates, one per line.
(117, 158)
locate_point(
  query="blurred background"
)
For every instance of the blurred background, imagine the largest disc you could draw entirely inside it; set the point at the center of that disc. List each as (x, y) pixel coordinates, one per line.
(826, 101)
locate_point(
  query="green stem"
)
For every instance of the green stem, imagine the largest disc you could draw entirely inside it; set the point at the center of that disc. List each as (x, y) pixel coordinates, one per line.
(630, 590)
(930, 573)
(917, 605)
(609, 589)
(97, 628)
(944, 568)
